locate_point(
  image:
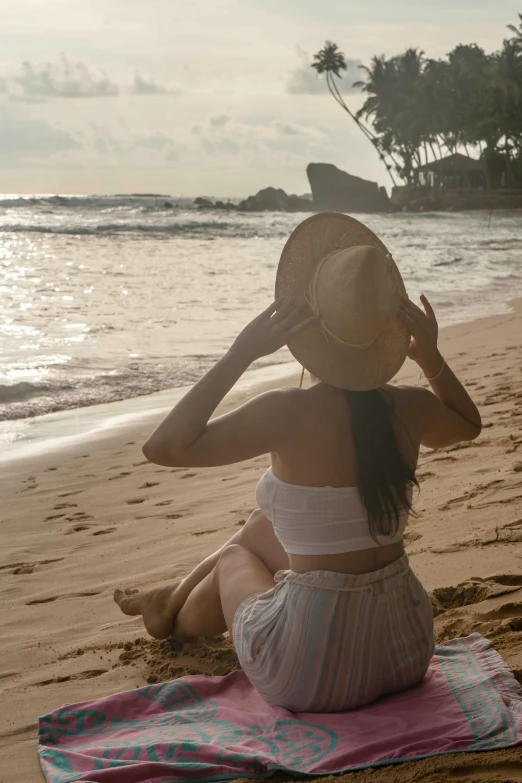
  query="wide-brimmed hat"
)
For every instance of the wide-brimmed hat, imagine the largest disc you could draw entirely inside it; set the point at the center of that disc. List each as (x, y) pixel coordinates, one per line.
(345, 273)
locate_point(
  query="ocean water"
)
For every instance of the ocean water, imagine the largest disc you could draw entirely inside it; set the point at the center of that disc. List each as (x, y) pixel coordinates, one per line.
(109, 298)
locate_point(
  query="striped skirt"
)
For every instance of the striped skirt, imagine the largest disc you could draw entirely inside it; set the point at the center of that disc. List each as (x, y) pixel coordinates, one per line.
(323, 641)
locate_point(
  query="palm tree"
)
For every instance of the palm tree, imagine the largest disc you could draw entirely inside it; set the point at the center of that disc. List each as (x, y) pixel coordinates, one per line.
(506, 79)
(331, 61)
(517, 39)
(395, 103)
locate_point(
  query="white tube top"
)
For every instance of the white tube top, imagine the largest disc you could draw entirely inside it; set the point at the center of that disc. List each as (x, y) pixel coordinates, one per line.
(319, 520)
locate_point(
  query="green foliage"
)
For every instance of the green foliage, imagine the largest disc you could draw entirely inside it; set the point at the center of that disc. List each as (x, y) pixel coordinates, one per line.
(417, 109)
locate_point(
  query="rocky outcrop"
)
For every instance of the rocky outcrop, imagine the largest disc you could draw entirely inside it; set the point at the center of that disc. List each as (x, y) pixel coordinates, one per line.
(267, 200)
(416, 198)
(275, 200)
(206, 203)
(334, 190)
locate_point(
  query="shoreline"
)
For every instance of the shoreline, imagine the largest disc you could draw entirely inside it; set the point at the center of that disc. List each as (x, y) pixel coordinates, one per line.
(80, 521)
(51, 432)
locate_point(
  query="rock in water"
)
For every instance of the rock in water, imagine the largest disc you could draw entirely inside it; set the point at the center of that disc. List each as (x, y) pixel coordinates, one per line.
(334, 190)
(275, 200)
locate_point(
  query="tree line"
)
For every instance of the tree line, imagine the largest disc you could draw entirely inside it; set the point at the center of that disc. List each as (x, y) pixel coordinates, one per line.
(418, 110)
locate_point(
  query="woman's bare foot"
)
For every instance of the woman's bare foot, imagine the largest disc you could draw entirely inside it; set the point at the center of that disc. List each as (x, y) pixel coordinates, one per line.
(158, 607)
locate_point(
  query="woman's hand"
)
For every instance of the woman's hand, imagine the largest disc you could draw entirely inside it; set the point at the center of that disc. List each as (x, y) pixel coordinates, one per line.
(424, 332)
(272, 329)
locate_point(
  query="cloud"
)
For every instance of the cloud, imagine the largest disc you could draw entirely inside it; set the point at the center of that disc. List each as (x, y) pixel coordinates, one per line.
(143, 86)
(263, 140)
(220, 121)
(3, 85)
(22, 137)
(160, 144)
(289, 129)
(306, 81)
(61, 79)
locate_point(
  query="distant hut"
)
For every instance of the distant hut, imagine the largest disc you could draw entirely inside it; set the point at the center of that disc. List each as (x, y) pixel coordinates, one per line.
(454, 171)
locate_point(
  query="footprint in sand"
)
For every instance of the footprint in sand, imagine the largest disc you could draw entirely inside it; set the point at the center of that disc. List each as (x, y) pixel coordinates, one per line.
(412, 535)
(505, 612)
(27, 569)
(61, 597)
(28, 489)
(500, 501)
(65, 505)
(54, 516)
(30, 565)
(120, 475)
(508, 579)
(105, 531)
(473, 591)
(163, 503)
(458, 447)
(188, 475)
(135, 500)
(76, 529)
(79, 516)
(68, 494)
(506, 534)
(209, 532)
(173, 516)
(86, 675)
(137, 464)
(149, 484)
(425, 475)
(444, 550)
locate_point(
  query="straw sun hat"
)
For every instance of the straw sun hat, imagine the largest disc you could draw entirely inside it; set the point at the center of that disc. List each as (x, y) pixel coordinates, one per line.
(350, 281)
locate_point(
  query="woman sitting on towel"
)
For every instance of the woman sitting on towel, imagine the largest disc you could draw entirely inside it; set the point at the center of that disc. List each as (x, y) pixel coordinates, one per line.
(316, 589)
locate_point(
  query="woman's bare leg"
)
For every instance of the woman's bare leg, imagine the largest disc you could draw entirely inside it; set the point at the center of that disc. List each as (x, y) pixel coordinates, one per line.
(210, 608)
(160, 606)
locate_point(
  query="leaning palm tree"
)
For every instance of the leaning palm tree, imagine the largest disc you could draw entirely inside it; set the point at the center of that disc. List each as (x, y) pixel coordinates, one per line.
(517, 38)
(331, 61)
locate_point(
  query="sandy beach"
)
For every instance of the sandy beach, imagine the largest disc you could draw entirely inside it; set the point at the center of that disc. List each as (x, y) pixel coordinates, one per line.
(79, 522)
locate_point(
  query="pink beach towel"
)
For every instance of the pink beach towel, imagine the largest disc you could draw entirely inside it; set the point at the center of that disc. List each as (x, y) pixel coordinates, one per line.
(219, 728)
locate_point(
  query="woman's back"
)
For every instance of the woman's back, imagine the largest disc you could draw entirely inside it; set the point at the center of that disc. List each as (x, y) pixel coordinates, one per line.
(321, 452)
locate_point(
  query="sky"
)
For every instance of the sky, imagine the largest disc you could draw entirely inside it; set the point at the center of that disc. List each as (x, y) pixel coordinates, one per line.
(201, 97)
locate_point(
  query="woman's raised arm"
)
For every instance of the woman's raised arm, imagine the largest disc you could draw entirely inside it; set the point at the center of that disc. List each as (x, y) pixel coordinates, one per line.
(187, 438)
(448, 415)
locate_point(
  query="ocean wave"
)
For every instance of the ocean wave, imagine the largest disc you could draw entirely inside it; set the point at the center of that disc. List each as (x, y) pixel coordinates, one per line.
(24, 390)
(189, 229)
(95, 202)
(449, 261)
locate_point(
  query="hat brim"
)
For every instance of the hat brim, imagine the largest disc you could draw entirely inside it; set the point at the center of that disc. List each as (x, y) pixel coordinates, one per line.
(331, 362)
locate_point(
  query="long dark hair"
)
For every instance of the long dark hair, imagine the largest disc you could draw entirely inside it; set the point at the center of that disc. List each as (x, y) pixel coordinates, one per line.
(383, 473)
